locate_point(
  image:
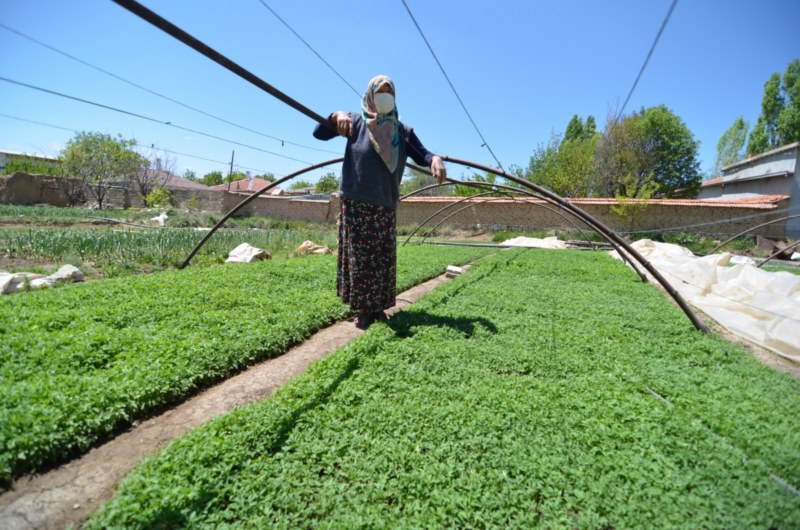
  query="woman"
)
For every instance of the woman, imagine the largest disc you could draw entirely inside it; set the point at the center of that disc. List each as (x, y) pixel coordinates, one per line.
(374, 160)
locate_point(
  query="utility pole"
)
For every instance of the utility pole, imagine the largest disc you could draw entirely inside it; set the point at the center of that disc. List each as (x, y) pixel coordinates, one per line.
(230, 171)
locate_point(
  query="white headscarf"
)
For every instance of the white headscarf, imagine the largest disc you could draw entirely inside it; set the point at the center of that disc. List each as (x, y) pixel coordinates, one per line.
(383, 129)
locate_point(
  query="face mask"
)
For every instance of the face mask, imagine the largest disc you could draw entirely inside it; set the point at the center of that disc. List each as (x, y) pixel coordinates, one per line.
(384, 102)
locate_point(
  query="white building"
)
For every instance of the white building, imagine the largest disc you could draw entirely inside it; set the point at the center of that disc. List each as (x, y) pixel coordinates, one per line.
(770, 173)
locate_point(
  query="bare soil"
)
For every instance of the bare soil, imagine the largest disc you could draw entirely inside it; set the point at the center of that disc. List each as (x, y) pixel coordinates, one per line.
(69, 494)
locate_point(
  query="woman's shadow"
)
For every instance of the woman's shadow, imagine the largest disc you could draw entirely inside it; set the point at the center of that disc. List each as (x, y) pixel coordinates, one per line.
(406, 324)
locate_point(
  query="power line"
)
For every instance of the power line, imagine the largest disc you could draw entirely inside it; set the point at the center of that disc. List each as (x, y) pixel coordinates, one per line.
(485, 143)
(153, 92)
(309, 47)
(149, 119)
(139, 144)
(38, 123)
(649, 54)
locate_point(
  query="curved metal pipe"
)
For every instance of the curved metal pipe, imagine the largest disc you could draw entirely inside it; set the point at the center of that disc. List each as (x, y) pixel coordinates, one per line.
(426, 188)
(620, 251)
(430, 232)
(625, 258)
(600, 227)
(750, 230)
(437, 212)
(512, 189)
(790, 247)
(250, 198)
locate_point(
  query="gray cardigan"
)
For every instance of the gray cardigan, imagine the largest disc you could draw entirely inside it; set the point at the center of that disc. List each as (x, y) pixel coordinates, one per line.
(365, 176)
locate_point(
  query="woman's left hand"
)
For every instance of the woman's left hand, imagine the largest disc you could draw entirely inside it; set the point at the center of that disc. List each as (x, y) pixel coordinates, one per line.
(438, 169)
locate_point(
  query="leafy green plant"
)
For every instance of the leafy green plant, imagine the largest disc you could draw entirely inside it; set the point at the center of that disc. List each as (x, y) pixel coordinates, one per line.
(159, 197)
(80, 362)
(192, 203)
(541, 389)
(28, 165)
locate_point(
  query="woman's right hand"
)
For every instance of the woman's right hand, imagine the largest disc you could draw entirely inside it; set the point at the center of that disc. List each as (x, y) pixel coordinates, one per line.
(344, 125)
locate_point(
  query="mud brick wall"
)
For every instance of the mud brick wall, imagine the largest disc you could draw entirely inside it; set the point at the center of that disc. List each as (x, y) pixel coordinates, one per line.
(690, 216)
(703, 217)
(289, 208)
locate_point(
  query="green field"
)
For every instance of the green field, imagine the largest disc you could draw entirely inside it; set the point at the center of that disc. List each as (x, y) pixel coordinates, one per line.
(80, 362)
(541, 389)
(110, 243)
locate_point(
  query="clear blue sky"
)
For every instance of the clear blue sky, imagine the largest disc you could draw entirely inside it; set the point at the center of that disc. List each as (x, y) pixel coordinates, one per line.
(522, 68)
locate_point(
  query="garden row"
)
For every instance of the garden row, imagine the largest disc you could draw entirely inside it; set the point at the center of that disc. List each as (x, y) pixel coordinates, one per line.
(78, 363)
(118, 250)
(542, 388)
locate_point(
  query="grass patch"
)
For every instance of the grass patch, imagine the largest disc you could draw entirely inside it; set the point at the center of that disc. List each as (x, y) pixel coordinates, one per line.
(781, 268)
(83, 361)
(515, 396)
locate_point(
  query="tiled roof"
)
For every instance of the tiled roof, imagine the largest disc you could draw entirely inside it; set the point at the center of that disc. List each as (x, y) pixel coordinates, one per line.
(180, 183)
(244, 186)
(760, 202)
(712, 182)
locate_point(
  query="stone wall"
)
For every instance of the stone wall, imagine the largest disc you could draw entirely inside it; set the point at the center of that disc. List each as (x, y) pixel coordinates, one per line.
(22, 188)
(289, 208)
(691, 216)
(717, 218)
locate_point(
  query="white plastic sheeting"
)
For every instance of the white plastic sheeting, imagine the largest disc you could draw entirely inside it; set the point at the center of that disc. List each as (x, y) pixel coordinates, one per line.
(245, 253)
(161, 218)
(20, 281)
(309, 247)
(760, 306)
(533, 242)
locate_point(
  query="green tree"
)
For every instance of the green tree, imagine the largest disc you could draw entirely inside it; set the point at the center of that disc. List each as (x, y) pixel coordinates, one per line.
(235, 177)
(765, 133)
(462, 190)
(152, 173)
(651, 146)
(266, 176)
(327, 183)
(789, 117)
(214, 178)
(415, 180)
(731, 144)
(300, 184)
(566, 167)
(590, 129)
(575, 129)
(99, 161)
(32, 166)
(190, 175)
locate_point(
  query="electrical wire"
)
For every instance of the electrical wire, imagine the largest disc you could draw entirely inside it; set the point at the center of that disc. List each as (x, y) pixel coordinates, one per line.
(139, 144)
(309, 47)
(129, 113)
(153, 92)
(463, 106)
(646, 60)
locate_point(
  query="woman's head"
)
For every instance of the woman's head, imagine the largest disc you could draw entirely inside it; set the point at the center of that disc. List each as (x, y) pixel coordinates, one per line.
(379, 97)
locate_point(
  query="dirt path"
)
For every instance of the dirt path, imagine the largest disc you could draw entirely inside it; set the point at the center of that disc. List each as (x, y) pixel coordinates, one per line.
(71, 492)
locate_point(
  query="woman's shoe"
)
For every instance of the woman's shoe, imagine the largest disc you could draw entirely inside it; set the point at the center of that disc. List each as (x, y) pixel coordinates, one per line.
(364, 319)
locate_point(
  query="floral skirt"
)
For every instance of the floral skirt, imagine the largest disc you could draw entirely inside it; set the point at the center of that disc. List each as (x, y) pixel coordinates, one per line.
(367, 274)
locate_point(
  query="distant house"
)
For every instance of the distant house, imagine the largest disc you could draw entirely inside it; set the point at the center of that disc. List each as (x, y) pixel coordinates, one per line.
(253, 185)
(174, 182)
(771, 173)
